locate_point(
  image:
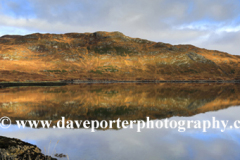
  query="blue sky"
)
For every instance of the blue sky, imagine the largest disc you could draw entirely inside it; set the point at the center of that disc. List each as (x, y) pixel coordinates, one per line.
(211, 24)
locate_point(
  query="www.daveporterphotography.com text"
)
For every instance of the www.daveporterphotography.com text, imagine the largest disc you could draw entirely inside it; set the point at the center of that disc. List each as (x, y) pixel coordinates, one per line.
(93, 125)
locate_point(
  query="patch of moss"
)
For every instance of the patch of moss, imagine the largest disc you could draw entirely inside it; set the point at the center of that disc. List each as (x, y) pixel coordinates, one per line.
(63, 71)
(103, 69)
(102, 50)
(121, 51)
(190, 70)
(123, 110)
(96, 90)
(107, 112)
(55, 91)
(112, 92)
(96, 71)
(110, 69)
(56, 71)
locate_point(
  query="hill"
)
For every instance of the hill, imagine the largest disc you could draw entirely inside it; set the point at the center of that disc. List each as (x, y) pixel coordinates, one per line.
(108, 56)
(112, 101)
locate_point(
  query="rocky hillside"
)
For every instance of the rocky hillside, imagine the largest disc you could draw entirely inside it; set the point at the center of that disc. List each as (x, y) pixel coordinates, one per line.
(108, 56)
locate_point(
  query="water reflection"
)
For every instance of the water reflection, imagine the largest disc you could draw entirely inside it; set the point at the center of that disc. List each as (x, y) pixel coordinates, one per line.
(149, 144)
(112, 101)
(128, 101)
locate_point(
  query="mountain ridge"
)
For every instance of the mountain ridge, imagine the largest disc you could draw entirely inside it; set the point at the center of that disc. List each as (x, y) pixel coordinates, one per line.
(108, 56)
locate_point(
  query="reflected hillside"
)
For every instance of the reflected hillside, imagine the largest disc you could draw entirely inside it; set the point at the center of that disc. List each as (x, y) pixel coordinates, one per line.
(112, 101)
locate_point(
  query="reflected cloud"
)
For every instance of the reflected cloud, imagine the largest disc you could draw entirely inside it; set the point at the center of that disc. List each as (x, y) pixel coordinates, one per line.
(149, 144)
(159, 101)
(113, 101)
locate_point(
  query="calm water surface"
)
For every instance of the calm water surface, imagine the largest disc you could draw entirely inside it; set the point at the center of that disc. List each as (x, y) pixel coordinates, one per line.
(128, 102)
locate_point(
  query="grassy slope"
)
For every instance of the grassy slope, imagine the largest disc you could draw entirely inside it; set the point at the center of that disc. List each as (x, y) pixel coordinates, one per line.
(108, 56)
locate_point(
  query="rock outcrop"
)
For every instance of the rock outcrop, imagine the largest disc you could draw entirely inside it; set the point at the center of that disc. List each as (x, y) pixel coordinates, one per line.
(15, 149)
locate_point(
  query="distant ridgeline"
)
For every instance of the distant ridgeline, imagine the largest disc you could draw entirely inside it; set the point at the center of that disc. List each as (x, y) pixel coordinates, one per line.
(108, 56)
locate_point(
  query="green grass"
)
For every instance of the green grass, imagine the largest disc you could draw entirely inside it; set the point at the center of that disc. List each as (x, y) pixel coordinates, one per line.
(103, 50)
(97, 71)
(112, 92)
(103, 69)
(56, 71)
(119, 50)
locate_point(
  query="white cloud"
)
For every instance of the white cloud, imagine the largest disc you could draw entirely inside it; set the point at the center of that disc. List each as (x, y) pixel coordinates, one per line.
(198, 22)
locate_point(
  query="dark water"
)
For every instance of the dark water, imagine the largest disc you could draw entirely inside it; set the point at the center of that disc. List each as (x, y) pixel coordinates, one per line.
(128, 102)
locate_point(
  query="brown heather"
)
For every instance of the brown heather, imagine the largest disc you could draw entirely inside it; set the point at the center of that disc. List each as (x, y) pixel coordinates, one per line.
(108, 56)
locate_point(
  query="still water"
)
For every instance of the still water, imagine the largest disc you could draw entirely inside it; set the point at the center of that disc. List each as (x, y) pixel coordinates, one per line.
(127, 102)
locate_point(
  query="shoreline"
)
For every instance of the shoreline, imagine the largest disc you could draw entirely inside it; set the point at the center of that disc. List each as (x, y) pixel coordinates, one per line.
(154, 81)
(62, 83)
(21, 84)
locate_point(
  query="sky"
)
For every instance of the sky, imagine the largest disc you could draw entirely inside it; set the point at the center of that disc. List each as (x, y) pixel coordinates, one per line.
(210, 24)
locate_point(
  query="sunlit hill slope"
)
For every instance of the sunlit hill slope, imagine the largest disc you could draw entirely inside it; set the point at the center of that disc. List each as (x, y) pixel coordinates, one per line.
(108, 56)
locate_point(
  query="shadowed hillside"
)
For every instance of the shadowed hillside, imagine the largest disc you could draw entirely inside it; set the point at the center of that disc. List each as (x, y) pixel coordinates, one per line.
(108, 56)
